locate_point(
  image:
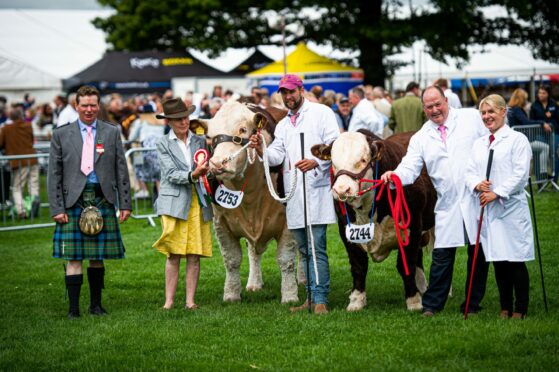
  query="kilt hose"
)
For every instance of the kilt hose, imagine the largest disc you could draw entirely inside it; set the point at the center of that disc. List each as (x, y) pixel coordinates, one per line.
(69, 243)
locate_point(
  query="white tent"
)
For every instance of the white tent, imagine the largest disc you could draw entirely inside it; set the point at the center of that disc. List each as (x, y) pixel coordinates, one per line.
(18, 78)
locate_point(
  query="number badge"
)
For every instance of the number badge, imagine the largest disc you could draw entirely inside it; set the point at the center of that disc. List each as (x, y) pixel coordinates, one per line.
(360, 234)
(228, 198)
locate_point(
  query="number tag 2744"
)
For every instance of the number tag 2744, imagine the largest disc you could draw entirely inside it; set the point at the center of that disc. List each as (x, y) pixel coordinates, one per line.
(228, 198)
(360, 233)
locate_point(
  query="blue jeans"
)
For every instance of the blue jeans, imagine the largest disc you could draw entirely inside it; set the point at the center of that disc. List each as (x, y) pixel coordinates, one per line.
(556, 152)
(320, 291)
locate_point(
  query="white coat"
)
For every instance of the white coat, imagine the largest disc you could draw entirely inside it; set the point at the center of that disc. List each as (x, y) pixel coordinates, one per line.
(506, 233)
(366, 116)
(319, 125)
(446, 165)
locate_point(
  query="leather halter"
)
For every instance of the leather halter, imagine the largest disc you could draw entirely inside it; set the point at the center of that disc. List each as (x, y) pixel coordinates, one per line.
(225, 138)
(355, 176)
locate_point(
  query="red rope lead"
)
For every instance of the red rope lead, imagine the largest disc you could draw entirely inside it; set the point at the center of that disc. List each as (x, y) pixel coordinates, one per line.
(398, 208)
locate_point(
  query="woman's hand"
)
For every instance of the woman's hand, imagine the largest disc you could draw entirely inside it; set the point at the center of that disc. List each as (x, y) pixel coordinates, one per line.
(201, 170)
(547, 128)
(487, 197)
(484, 186)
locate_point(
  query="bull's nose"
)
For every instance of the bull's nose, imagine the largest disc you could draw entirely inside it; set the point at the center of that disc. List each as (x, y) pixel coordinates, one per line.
(341, 191)
(216, 164)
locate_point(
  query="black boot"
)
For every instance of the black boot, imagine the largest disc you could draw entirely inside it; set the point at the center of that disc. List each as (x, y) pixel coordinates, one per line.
(74, 285)
(96, 279)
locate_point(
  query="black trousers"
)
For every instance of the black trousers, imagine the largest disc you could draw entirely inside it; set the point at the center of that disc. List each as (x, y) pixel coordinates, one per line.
(440, 279)
(513, 281)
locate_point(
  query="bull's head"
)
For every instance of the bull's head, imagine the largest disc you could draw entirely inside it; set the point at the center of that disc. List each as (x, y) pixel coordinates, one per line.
(353, 156)
(229, 130)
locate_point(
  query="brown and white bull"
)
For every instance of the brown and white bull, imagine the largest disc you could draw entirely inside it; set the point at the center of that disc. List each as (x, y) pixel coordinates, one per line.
(259, 218)
(353, 156)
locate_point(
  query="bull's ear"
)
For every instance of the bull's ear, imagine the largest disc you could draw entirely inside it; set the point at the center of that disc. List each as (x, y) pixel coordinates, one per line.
(377, 149)
(322, 151)
(260, 121)
(199, 126)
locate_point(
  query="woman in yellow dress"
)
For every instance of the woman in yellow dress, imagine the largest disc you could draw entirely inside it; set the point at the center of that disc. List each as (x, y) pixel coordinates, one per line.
(185, 212)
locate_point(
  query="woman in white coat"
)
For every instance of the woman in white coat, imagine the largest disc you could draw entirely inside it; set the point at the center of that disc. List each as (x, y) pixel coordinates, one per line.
(506, 233)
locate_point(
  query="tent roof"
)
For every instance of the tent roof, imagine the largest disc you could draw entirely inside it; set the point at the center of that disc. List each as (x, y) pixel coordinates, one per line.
(150, 66)
(254, 62)
(16, 75)
(303, 60)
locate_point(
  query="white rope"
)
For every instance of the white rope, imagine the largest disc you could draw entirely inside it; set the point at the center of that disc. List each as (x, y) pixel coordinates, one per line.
(292, 175)
(308, 208)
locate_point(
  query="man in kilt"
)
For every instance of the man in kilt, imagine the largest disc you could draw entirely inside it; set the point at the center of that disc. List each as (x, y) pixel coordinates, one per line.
(87, 168)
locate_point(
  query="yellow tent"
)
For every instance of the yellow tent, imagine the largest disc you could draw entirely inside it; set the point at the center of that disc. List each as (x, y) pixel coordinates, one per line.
(313, 68)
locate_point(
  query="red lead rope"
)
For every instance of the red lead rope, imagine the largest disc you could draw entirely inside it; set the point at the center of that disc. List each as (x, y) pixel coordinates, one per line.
(398, 208)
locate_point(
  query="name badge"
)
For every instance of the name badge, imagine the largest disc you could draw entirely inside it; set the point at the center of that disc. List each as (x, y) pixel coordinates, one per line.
(360, 233)
(228, 198)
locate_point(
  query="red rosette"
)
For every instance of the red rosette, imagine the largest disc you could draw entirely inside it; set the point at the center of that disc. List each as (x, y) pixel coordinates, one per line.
(201, 156)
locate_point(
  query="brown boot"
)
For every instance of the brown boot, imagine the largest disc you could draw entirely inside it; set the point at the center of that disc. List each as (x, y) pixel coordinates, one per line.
(320, 309)
(504, 314)
(304, 306)
(518, 316)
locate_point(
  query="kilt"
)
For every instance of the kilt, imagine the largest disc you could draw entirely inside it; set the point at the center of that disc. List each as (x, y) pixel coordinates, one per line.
(70, 243)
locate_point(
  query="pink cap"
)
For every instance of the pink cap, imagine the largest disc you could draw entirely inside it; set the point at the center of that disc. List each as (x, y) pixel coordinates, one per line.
(290, 82)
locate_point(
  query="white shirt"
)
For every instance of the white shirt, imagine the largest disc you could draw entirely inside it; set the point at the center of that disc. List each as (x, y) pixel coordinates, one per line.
(318, 123)
(67, 115)
(506, 233)
(185, 147)
(453, 100)
(365, 116)
(446, 165)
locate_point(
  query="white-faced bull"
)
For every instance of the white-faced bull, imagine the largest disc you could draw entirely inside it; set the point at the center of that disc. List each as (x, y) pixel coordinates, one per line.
(259, 218)
(355, 156)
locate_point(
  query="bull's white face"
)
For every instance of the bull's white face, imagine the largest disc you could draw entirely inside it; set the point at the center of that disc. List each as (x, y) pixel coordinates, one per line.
(233, 119)
(350, 152)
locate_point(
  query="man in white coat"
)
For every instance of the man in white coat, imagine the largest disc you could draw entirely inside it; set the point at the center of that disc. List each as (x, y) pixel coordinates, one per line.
(444, 144)
(364, 114)
(318, 123)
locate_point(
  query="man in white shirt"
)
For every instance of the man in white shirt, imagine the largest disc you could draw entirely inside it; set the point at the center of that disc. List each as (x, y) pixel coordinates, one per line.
(443, 145)
(453, 100)
(68, 113)
(364, 116)
(318, 124)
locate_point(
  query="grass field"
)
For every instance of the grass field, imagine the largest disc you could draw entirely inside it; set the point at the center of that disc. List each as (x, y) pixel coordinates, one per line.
(260, 333)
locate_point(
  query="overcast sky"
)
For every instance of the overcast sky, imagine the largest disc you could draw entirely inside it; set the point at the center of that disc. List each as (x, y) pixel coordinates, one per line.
(50, 4)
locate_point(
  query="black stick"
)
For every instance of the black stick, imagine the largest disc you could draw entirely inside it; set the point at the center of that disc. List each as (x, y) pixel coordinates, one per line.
(476, 249)
(309, 299)
(537, 241)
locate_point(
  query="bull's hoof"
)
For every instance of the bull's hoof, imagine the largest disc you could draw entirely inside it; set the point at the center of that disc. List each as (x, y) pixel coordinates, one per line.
(254, 288)
(231, 298)
(289, 299)
(414, 303)
(302, 281)
(357, 301)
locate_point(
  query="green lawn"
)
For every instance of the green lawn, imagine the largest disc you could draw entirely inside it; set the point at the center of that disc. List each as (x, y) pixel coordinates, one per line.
(260, 333)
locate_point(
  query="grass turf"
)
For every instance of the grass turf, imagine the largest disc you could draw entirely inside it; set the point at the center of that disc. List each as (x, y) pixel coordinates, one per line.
(259, 332)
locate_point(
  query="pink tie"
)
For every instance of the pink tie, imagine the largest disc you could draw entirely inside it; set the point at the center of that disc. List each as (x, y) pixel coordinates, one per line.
(491, 139)
(293, 118)
(87, 152)
(442, 129)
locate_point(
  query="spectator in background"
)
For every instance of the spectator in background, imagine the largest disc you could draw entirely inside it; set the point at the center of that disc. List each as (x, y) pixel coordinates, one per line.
(364, 116)
(517, 116)
(265, 102)
(217, 92)
(167, 95)
(115, 109)
(277, 101)
(43, 123)
(28, 101)
(453, 100)
(256, 95)
(317, 91)
(407, 112)
(215, 105)
(343, 114)
(59, 103)
(380, 102)
(17, 139)
(545, 109)
(68, 113)
(228, 95)
(3, 116)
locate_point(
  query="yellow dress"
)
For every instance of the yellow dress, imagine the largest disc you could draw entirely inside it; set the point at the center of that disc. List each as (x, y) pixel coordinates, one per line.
(181, 237)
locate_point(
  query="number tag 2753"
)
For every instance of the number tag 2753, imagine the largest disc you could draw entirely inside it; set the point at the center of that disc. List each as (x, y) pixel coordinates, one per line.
(360, 233)
(228, 198)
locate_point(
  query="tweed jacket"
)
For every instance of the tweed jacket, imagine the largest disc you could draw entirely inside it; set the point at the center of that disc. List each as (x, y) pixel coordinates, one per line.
(175, 194)
(66, 181)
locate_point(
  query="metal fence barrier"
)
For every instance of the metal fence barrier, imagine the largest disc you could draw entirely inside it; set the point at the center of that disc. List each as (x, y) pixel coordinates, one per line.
(143, 168)
(543, 154)
(20, 210)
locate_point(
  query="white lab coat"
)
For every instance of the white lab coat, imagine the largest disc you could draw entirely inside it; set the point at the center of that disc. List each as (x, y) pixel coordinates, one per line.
(453, 100)
(319, 125)
(446, 166)
(506, 233)
(366, 116)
